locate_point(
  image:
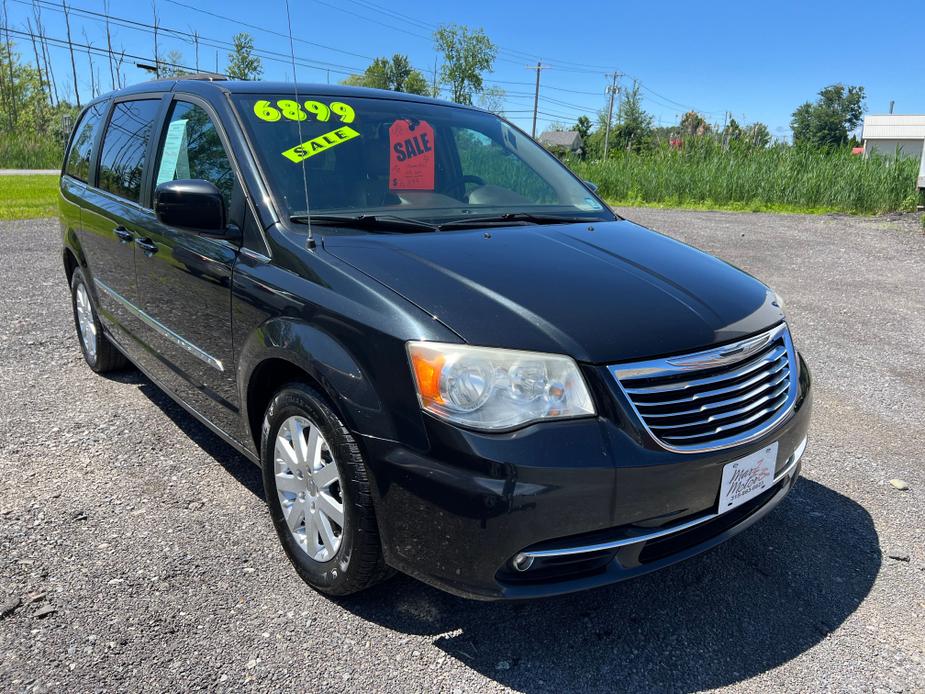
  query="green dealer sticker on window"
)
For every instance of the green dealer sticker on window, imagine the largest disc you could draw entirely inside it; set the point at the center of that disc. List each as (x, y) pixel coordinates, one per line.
(320, 143)
(174, 161)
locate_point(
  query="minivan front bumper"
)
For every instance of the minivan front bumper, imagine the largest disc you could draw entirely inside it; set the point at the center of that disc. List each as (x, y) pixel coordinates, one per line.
(584, 503)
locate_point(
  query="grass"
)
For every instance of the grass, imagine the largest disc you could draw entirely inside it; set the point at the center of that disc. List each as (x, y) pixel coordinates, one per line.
(30, 151)
(778, 179)
(27, 197)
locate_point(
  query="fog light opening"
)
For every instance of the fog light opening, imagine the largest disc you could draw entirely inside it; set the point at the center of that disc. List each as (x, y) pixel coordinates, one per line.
(522, 562)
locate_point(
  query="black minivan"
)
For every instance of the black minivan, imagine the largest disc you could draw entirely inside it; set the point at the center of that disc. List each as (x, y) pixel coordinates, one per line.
(447, 354)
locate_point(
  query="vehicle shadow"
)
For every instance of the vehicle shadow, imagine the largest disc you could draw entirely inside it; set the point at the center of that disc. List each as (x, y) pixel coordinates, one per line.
(236, 464)
(750, 605)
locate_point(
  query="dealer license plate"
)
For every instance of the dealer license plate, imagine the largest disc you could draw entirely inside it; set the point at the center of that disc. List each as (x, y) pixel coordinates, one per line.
(747, 477)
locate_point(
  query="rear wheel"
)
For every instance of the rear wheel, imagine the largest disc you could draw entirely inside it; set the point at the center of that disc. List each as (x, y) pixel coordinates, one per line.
(100, 354)
(318, 494)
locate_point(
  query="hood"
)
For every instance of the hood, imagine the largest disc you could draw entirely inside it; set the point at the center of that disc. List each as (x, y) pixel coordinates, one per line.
(606, 292)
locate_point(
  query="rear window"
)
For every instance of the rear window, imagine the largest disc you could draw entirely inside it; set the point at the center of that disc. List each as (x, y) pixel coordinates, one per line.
(78, 157)
(125, 145)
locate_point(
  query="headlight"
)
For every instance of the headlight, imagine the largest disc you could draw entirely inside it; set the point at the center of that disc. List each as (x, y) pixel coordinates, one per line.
(487, 388)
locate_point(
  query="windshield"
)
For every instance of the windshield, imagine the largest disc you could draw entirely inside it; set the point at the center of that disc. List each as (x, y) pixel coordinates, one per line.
(371, 156)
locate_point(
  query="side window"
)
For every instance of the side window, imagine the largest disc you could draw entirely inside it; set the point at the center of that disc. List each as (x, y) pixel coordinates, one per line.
(191, 148)
(486, 159)
(78, 156)
(124, 146)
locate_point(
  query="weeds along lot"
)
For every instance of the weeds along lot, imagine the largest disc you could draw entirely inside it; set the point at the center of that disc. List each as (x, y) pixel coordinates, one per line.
(31, 151)
(779, 178)
(27, 197)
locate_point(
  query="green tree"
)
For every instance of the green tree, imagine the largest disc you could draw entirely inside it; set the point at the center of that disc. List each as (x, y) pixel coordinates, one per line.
(32, 131)
(692, 123)
(583, 127)
(467, 54)
(492, 99)
(733, 132)
(416, 83)
(758, 135)
(827, 121)
(170, 64)
(24, 104)
(634, 126)
(395, 74)
(243, 63)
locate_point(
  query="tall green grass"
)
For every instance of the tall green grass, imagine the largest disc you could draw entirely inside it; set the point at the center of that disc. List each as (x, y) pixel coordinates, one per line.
(779, 178)
(30, 151)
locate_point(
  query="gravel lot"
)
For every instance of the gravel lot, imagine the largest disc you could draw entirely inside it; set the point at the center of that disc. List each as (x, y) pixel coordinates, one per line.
(137, 551)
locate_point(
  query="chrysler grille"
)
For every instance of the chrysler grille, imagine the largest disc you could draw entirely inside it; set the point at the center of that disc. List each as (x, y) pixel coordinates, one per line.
(716, 398)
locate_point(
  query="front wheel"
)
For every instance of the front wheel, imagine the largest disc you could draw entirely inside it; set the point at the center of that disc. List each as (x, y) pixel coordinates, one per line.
(318, 494)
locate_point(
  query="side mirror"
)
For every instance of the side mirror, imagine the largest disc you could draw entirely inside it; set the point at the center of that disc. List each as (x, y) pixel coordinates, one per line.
(590, 186)
(191, 204)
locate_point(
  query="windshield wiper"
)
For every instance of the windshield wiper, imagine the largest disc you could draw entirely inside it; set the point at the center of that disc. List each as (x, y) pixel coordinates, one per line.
(514, 217)
(367, 222)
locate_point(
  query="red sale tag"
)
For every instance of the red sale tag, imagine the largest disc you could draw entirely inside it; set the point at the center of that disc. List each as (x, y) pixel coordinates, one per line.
(411, 155)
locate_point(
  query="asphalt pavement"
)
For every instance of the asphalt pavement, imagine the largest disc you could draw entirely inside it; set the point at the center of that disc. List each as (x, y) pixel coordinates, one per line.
(136, 552)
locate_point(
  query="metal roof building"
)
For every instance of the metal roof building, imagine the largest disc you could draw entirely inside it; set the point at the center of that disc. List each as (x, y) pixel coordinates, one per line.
(886, 133)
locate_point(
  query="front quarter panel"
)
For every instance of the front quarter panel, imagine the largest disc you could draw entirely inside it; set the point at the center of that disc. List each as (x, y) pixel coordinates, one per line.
(346, 331)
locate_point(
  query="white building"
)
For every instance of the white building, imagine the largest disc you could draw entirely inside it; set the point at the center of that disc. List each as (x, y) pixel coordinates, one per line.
(884, 133)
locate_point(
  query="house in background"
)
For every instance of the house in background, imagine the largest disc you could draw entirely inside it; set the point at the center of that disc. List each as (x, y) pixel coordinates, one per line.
(884, 133)
(561, 142)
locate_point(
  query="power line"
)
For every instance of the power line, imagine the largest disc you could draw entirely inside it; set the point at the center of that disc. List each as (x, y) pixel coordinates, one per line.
(272, 56)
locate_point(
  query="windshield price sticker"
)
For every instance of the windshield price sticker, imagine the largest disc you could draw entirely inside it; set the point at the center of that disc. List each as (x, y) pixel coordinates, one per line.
(411, 155)
(321, 143)
(288, 109)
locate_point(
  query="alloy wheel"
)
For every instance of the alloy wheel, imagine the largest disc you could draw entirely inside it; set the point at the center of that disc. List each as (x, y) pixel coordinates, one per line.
(85, 321)
(309, 488)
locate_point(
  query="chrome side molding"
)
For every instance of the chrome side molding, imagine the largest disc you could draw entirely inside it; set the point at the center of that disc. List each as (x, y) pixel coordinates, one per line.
(159, 327)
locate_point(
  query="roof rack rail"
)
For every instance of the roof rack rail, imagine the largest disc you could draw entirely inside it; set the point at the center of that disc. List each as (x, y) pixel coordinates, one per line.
(204, 76)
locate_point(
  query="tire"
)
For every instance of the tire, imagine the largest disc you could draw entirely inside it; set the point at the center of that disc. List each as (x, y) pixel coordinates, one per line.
(100, 354)
(331, 562)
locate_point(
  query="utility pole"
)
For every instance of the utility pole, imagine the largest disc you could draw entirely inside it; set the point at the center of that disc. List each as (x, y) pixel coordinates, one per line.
(196, 44)
(539, 67)
(612, 90)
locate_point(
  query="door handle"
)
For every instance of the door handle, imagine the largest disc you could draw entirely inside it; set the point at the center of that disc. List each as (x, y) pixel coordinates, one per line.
(147, 245)
(124, 234)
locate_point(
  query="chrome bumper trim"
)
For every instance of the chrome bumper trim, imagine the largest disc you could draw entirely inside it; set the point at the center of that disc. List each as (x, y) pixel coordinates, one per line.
(663, 532)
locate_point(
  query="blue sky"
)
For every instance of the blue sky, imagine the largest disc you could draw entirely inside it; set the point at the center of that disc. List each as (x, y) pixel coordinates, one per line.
(756, 60)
